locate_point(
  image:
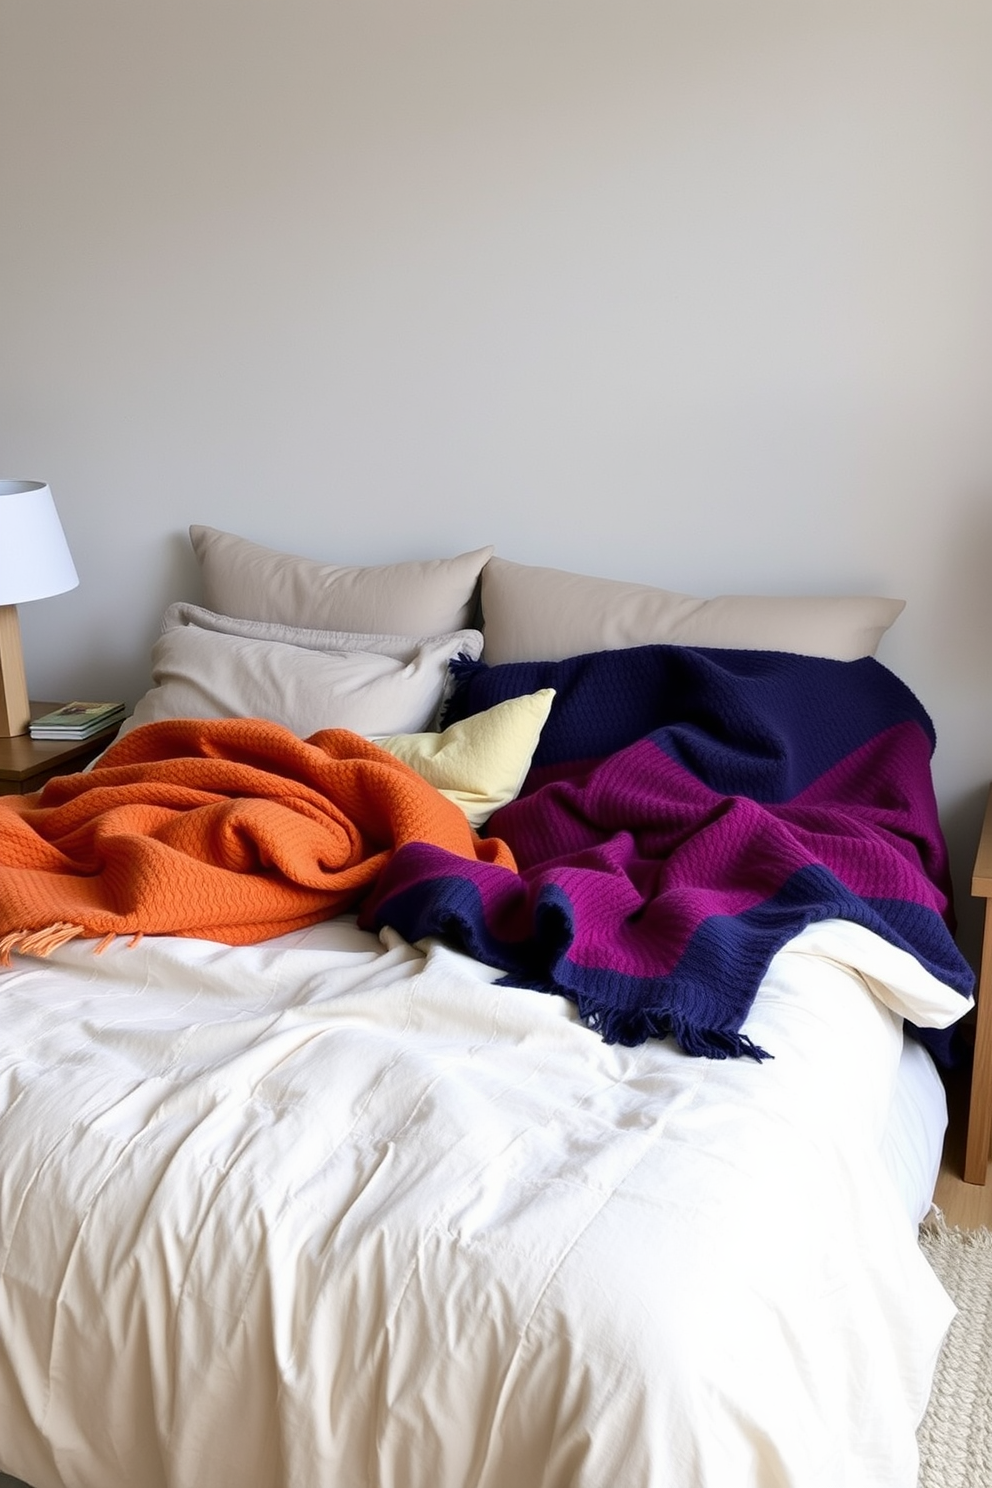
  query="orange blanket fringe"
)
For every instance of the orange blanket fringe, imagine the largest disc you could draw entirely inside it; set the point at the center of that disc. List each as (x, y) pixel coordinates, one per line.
(224, 829)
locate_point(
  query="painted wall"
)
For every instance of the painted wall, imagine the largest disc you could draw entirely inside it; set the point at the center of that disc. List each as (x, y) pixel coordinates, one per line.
(695, 294)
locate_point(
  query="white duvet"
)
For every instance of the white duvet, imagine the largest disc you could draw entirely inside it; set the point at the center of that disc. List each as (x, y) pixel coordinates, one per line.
(330, 1213)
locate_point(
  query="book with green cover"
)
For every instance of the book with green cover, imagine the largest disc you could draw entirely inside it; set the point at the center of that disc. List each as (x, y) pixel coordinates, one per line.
(76, 720)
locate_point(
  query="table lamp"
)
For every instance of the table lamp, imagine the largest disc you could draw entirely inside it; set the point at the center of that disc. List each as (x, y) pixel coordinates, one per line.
(34, 562)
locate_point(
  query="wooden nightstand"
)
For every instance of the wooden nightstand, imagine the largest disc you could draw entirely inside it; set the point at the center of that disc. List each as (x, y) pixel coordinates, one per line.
(26, 763)
(976, 1161)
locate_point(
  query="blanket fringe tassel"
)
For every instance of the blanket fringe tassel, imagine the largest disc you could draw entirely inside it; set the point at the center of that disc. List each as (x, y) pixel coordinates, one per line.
(43, 942)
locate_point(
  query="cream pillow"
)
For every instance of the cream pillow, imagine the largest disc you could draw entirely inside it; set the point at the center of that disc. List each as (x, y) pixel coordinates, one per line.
(546, 614)
(416, 598)
(217, 666)
(481, 762)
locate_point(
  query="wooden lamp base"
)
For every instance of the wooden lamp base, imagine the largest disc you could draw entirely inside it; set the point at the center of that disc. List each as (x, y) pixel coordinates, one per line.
(15, 711)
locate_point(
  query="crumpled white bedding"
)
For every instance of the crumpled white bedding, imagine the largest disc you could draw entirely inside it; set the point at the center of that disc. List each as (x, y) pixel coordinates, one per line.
(329, 1211)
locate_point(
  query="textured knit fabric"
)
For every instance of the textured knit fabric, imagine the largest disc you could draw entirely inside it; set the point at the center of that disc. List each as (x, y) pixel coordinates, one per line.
(655, 885)
(230, 829)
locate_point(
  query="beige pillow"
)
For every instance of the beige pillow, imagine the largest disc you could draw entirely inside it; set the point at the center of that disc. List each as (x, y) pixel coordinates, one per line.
(546, 614)
(479, 763)
(217, 666)
(416, 598)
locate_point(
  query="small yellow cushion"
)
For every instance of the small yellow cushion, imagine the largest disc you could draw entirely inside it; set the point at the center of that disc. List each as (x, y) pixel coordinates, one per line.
(480, 762)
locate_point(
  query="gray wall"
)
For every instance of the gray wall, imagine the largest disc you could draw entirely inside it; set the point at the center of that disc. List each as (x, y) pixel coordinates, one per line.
(693, 294)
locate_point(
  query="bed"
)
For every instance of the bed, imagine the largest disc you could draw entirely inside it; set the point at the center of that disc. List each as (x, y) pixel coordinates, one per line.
(445, 1046)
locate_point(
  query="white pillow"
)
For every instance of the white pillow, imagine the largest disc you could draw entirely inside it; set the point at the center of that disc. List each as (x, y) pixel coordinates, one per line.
(546, 614)
(415, 598)
(206, 665)
(480, 762)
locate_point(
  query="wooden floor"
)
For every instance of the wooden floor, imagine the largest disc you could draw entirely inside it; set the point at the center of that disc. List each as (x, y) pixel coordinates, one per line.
(966, 1205)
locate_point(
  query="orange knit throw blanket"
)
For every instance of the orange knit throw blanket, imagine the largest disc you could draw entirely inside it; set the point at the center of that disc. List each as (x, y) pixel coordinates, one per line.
(227, 829)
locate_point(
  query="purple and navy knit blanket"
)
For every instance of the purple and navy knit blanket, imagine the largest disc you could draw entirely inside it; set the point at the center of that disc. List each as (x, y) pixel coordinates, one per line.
(659, 871)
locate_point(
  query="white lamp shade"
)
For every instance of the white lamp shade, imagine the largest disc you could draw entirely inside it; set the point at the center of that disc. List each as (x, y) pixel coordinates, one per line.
(34, 557)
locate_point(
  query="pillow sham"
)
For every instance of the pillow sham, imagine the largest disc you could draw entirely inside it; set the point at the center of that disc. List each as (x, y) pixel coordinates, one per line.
(415, 598)
(481, 762)
(206, 665)
(540, 614)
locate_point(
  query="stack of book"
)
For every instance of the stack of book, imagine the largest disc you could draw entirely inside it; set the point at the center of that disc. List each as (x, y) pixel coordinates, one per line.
(77, 721)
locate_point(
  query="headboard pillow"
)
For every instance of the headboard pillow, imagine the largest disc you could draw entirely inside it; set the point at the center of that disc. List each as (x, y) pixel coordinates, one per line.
(481, 762)
(206, 665)
(414, 598)
(546, 614)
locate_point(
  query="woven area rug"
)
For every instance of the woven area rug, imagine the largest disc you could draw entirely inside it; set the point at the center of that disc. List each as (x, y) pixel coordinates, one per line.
(956, 1433)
